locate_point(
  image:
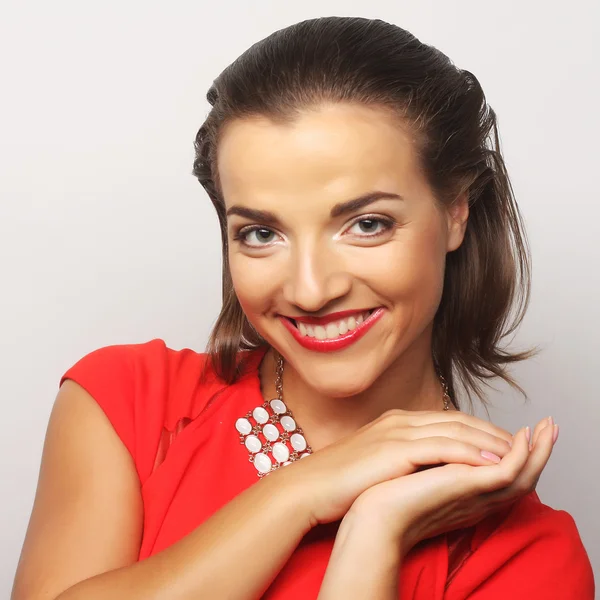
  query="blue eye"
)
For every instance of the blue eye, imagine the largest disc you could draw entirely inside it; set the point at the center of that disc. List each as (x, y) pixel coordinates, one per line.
(370, 227)
(255, 236)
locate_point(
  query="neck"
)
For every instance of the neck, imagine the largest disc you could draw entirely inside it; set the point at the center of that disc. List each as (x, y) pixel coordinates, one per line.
(410, 383)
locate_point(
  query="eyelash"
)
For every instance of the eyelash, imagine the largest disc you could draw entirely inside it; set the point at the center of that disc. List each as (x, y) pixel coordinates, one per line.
(387, 223)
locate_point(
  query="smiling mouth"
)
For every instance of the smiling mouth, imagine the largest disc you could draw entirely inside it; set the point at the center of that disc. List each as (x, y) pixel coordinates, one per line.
(332, 329)
(333, 332)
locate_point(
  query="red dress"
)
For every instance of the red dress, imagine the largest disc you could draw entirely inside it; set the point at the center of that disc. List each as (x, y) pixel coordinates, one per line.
(180, 431)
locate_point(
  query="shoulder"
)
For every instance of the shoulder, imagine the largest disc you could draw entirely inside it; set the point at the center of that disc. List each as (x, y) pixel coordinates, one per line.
(155, 360)
(538, 523)
(124, 359)
(149, 392)
(532, 548)
(145, 364)
(533, 524)
(144, 389)
(128, 373)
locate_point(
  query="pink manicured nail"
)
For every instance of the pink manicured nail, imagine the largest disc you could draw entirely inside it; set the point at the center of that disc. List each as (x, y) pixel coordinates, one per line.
(528, 433)
(555, 434)
(490, 456)
(551, 421)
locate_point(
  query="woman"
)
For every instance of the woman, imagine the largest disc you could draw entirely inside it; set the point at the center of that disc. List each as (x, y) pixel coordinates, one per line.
(372, 253)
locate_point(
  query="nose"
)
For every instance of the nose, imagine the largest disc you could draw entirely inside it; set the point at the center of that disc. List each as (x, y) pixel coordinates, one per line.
(316, 278)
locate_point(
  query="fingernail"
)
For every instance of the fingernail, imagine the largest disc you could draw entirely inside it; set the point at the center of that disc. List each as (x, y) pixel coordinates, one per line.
(528, 433)
(490, 456)
(551, 421)
(555, 434)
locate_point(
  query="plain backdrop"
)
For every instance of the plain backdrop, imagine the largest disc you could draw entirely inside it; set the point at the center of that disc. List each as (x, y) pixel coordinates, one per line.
(106, 237)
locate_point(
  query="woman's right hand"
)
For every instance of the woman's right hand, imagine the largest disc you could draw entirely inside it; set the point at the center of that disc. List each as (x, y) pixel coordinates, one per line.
(397, 443)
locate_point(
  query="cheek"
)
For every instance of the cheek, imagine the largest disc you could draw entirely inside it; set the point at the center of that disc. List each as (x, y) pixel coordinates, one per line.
(410, 270)
(254, 283)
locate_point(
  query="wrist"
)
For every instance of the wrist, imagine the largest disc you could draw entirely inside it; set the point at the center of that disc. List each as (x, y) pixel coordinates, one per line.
(377, 556)
(388, 530)
(294, 495)
(373, 533)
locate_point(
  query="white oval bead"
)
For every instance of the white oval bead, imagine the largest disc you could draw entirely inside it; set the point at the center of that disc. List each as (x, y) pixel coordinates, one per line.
(253, 444)
(298, 442)
(260, 415)
(262, 463)
(305, 455)
(243, 426)
(270, 432)
(278, 407)
(288, 423)
(285, 464)
(281, 452)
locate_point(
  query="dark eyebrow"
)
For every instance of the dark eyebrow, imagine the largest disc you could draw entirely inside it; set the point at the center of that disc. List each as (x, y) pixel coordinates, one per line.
(268, 218)
(361, 202)
(260, 216)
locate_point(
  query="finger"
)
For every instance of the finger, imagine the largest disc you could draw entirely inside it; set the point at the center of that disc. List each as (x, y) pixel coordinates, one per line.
(537, 430)
(443, 450)
(536, 463)
(450, 416)
(504, 474)
(461, 432)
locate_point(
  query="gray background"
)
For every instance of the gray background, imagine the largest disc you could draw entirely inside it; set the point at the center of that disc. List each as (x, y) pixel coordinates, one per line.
(106, 238)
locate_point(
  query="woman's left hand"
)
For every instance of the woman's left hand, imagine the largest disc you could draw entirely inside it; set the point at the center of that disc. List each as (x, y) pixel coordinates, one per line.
(427, 503)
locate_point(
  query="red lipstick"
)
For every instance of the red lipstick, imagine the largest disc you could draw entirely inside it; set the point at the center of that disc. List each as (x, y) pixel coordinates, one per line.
(338, 343)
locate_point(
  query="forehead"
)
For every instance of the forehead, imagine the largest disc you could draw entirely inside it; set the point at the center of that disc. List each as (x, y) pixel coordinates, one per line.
(337, 148)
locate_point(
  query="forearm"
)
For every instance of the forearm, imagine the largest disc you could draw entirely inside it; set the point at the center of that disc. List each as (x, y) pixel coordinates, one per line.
(235, 554)
(364, 564)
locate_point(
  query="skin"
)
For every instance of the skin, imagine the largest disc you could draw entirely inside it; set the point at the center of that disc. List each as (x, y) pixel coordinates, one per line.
(303, 260)
(315, 264)
(371, 412)
(388, 519)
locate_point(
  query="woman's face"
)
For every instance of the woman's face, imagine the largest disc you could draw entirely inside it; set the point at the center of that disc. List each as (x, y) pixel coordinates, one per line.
(331, 215)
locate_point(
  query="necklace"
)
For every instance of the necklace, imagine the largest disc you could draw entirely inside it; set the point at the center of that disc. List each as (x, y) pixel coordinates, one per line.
(271, 434)
(445, 394)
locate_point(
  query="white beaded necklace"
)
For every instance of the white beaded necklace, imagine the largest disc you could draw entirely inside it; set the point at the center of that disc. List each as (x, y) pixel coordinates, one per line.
(284, 441)
(271, 434)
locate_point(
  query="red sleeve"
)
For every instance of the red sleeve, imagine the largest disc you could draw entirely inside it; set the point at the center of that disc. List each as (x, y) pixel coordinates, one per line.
(149, 393)
(130, 384)
(534, 553)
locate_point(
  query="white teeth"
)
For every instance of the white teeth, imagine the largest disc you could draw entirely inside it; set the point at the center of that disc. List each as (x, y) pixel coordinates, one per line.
(334, 329)
(320, 333)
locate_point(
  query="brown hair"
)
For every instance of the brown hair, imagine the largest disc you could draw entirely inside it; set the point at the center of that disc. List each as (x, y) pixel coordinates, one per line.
(352, 59)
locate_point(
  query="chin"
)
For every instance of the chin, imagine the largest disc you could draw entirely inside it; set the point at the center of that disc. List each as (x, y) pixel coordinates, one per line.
(340, 389)
(338, 379)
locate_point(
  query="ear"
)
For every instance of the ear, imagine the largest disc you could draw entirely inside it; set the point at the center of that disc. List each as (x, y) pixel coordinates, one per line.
(457, 215)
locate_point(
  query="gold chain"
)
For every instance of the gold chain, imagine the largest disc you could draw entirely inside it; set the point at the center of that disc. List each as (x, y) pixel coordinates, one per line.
(445, 395)
(279, 377)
